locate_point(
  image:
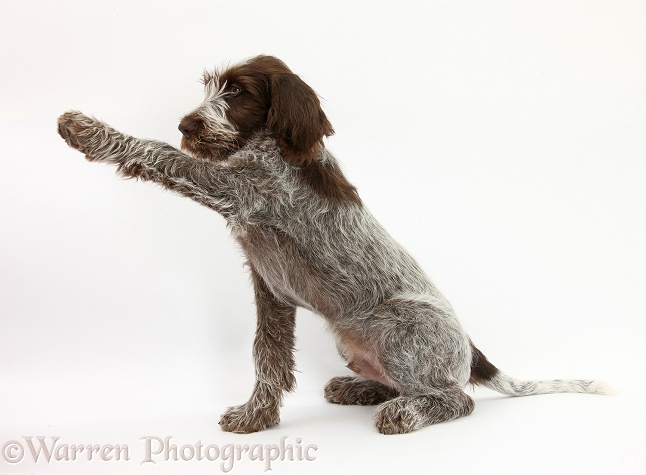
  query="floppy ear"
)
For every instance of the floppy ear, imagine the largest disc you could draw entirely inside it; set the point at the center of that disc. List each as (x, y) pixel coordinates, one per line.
(295, 118)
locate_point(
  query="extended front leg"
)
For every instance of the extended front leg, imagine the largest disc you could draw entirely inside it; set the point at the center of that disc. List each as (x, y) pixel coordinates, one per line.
(217, 187)
(273, 349)
(135, 158)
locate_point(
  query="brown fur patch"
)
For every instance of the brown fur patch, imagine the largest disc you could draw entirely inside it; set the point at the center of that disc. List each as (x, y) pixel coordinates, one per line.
(330, 183)
(272, 96)
(481, 369)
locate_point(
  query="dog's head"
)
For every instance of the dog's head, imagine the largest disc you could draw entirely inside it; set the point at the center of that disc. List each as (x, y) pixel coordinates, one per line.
(261, 93)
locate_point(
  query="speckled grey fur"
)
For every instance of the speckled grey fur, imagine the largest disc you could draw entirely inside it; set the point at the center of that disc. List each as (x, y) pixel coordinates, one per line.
(391, 324)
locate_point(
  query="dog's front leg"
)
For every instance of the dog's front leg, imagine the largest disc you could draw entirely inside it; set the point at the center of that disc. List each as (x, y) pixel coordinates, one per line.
(204, 182)
(274, 360)
(99, 142)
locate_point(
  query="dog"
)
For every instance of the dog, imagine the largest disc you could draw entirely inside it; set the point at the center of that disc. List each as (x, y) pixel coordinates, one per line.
(253, 151)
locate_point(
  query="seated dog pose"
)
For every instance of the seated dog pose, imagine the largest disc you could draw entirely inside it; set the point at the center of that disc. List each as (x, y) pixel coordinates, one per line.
(253, 151)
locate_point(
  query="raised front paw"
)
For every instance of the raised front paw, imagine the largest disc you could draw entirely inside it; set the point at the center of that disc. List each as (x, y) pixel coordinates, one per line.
(249, 418)
(79, 131)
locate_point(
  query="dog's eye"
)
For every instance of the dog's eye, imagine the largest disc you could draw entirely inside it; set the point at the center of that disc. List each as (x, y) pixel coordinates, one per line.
(235, 90)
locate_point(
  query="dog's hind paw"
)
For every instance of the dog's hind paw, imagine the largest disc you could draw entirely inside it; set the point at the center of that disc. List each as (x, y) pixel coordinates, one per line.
(359, 391)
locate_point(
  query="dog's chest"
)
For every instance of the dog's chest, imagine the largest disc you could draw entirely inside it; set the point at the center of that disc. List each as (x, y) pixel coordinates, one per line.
(276, 257)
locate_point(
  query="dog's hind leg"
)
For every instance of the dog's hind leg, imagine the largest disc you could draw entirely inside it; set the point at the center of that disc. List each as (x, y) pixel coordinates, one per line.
(355, 390)
(405, 414)
(425, 355)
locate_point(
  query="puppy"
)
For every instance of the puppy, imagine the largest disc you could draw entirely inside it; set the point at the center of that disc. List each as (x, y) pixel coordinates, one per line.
(254, 152)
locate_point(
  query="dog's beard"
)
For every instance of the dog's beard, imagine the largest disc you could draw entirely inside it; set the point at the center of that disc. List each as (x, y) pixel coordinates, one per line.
(212, 150)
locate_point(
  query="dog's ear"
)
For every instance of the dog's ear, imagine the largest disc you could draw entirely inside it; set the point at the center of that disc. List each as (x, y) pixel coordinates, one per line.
(295, 118)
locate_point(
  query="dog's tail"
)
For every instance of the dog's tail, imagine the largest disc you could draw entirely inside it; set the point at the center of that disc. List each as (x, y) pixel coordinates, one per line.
(486, 374)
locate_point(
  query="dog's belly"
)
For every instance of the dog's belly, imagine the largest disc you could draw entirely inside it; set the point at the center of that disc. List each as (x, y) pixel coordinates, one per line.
(361, 358)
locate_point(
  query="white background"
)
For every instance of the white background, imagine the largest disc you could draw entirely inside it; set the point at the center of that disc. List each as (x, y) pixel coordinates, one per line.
(503, 143)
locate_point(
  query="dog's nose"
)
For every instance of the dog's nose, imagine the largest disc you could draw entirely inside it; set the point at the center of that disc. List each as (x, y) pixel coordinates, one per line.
(187, 126)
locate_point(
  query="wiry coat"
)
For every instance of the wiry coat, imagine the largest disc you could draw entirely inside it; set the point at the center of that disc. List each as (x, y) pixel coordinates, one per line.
(257, 158)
